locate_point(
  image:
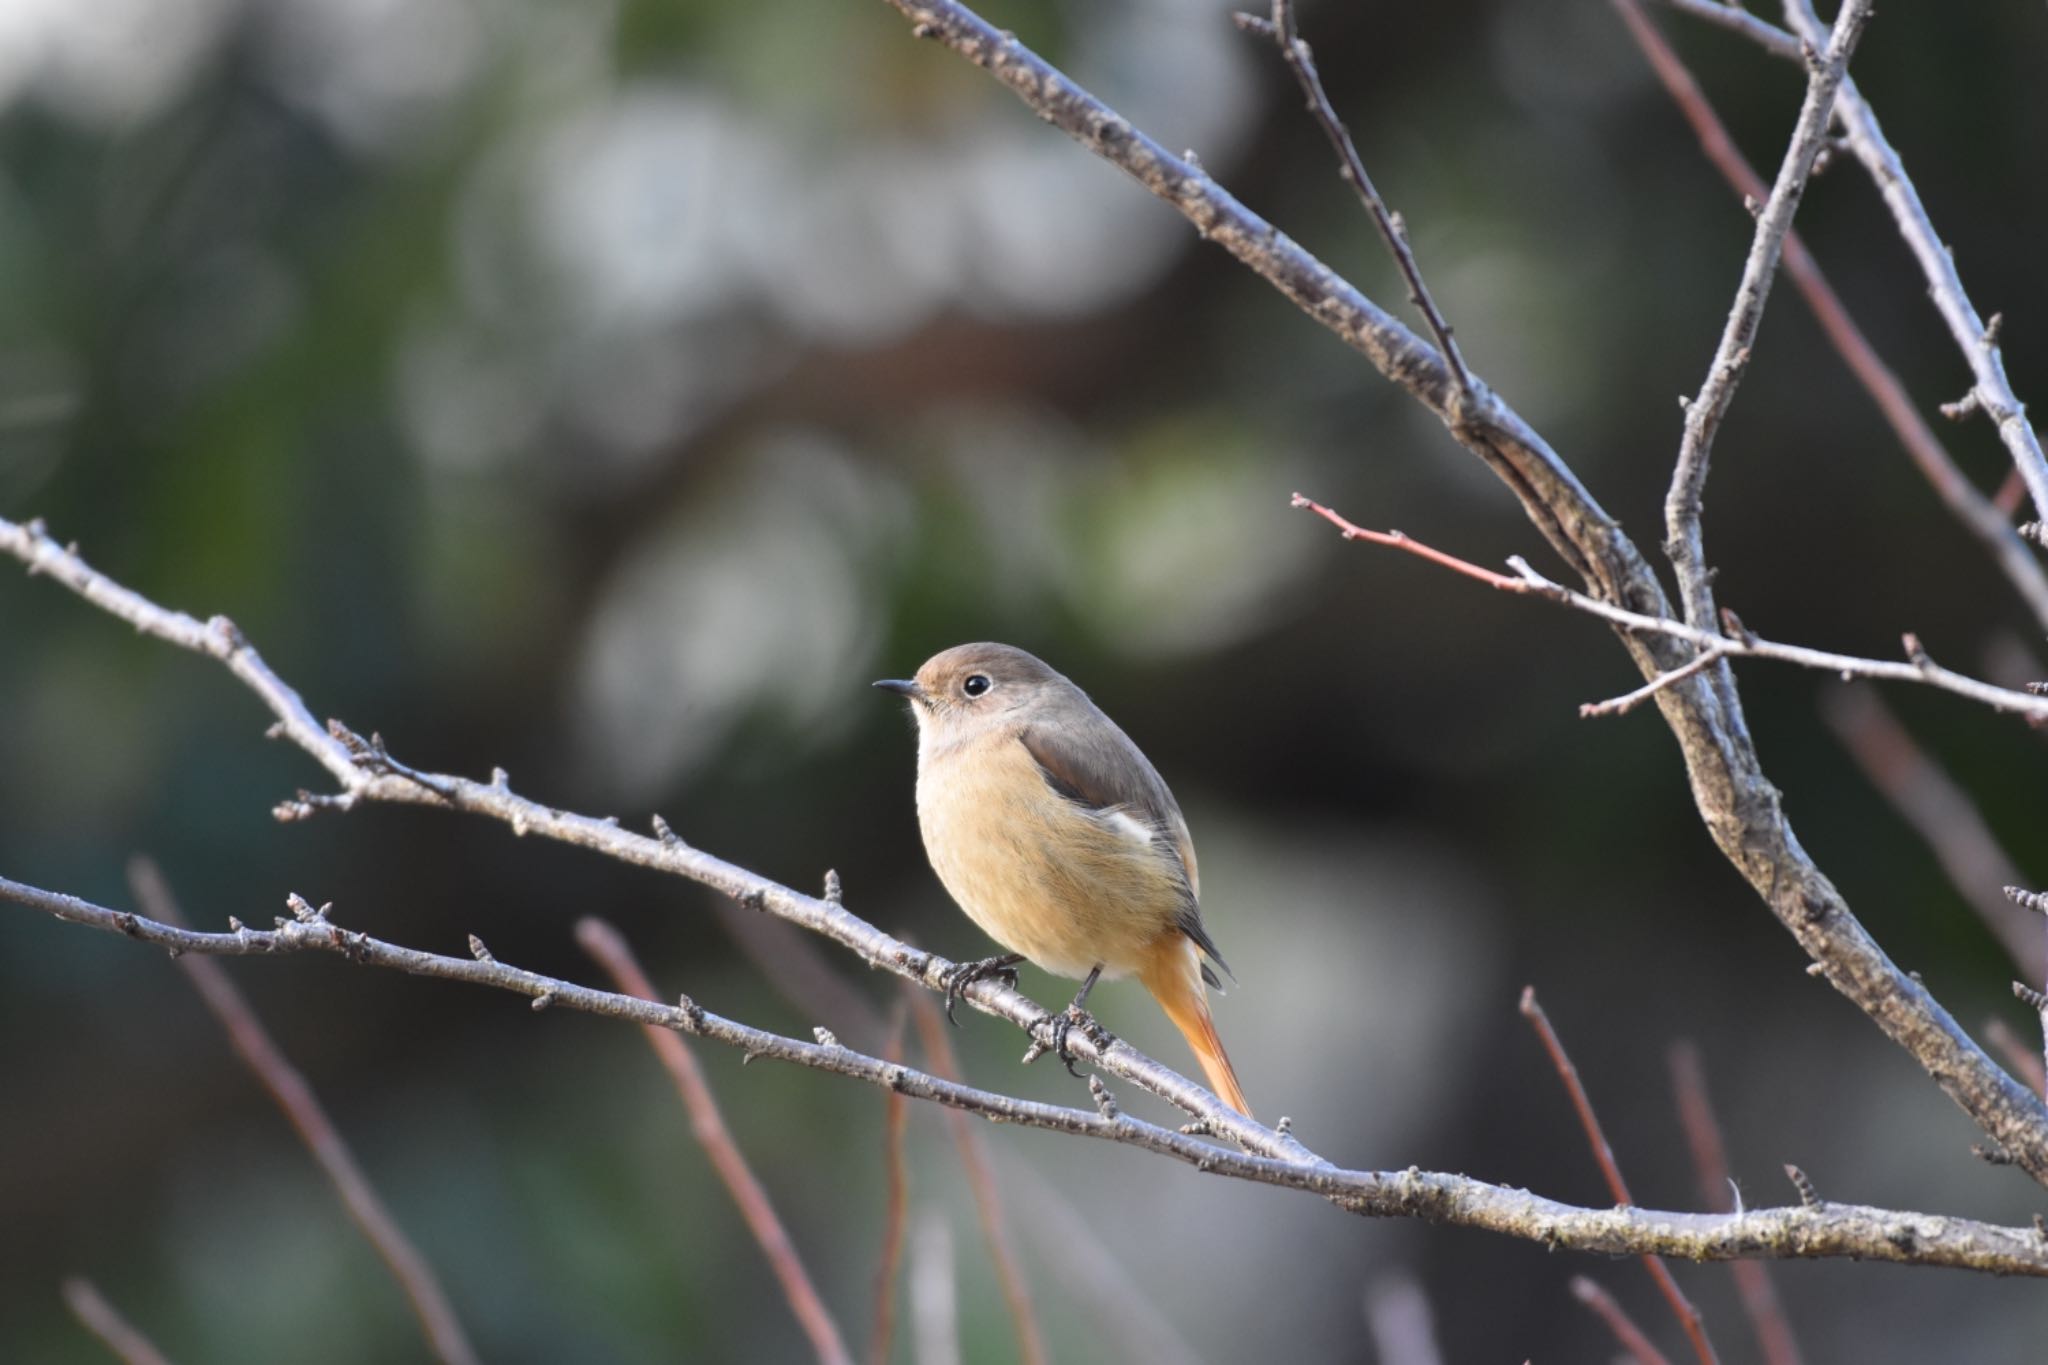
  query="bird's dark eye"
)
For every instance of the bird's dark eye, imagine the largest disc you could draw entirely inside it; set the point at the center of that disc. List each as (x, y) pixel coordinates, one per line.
(976, 684)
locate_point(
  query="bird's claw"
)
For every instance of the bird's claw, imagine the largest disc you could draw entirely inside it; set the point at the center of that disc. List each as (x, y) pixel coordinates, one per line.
(1065, 1022)
(964, 974)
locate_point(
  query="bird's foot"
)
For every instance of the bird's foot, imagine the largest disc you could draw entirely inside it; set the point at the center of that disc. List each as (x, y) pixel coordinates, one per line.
(1065, 1022)
(964, 974)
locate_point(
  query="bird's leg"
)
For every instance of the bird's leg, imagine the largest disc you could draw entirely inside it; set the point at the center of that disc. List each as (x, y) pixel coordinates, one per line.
(1074, 1015)
(964, 974)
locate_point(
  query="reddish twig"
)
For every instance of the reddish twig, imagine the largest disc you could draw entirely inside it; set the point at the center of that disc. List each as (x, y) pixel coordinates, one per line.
(1942, 813)
(2010, 494)
(896, 1207)
(2024, 1060)
(609, 947)
(1086, 1267)
(1988, 519)
(938, 1053)
(104, 1321)
(1710, 1161)
(260, 1053)
(1632, 1338)
(1681, 1307)
(1739, 644)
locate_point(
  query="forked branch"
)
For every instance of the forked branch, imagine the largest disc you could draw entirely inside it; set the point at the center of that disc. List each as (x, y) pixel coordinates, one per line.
(1810, 1230)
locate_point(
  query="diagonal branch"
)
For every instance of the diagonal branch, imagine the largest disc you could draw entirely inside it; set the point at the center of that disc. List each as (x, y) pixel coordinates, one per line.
(261, 1054)
(1942, 813)
(1980, 515)
(1682, 1308)
(1812, 1229)
(104, 1321)
(365, 771)
(1717, 1191)
(1704, 414)
(1627, 1335)
(1738, 805)
(1977, 339)
(1526, 582)
(1281, 29)
(606, 944)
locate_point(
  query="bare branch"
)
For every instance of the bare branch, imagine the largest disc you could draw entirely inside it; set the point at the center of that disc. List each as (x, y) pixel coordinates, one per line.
(609, 947)
(938, 1051)
(1703, 416)
(1627, 702)
(1943, 814)
(1738, 805)
(1631, 1337)
(1817, 1230)
(1281, 29)
(104, 1321)
(1986, 518)
(1681, 1307)
(1529, 583)
(1088, 1269)
(1974, 337)
(1574, 524)
(366, 771)
(1717, 1191)
(254, 1045)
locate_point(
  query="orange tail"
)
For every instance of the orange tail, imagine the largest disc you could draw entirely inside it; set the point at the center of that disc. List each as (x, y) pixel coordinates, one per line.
(1175, 979)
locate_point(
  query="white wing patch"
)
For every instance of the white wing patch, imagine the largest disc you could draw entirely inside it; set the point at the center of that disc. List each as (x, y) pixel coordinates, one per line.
(1128, 825)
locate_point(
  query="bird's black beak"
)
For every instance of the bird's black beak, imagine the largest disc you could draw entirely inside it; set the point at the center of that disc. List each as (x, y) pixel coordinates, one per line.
(902, 687)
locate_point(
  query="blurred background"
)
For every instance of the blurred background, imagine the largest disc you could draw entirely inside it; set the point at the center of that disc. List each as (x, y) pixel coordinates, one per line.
(609, 390)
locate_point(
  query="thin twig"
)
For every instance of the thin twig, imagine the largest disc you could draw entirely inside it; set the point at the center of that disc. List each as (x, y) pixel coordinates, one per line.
(1629, 701)
(366, 771)
(1527, 582)
(938, 1053)
(294, 1096)
(1825, 1230)
(2024, 1060)
(609, 947)
(895, 1202)
(1681, 1307)
(1740, 807)
(1717, 1191)
(1088, 1269)
(1703, 416)
(1631, 1337)
(104, 1321)
(1942, 813)
(1977, 340)
(1283, 32)
(1989, 519)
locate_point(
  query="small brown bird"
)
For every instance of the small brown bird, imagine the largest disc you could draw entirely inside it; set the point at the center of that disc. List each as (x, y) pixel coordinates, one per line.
(1058, 837)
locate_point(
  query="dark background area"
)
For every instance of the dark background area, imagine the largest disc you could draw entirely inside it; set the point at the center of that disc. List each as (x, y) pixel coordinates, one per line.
(610, 391)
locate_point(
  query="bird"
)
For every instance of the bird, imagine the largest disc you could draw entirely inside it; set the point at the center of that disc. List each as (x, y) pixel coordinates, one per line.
(1056, 835)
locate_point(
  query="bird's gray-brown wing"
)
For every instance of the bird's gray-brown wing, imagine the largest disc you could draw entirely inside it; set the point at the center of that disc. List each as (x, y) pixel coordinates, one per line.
(1096, 766)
